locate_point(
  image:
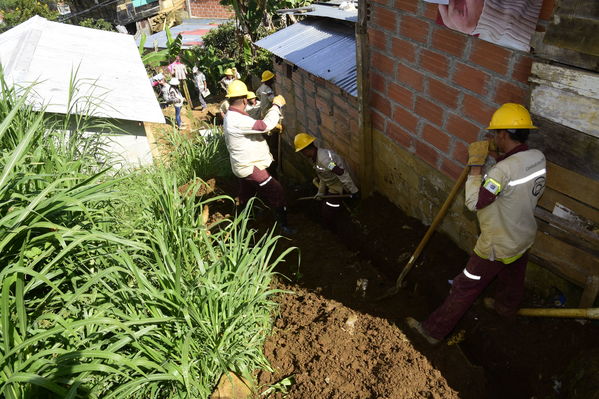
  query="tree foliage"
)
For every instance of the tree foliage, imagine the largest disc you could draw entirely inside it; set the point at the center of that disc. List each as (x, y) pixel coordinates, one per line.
(97, 23)
(255, 14)
(18, 11)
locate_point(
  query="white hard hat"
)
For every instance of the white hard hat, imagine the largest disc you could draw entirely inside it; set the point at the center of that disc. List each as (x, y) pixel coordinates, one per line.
(173, 82)
(195, 69)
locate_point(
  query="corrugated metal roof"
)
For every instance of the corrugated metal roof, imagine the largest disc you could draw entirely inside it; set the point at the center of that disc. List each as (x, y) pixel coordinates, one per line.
(322, 47)
(192, 31)
(44, 52)
(332, 11)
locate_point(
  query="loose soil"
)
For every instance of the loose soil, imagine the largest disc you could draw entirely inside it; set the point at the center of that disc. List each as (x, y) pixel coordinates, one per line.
(338, 343)
(335, 342)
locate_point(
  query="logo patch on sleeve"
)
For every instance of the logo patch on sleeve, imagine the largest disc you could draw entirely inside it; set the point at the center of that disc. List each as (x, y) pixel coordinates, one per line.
(492, 186)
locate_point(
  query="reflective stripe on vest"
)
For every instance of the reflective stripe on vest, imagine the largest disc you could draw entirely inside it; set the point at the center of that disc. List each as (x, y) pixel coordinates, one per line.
(527, 178)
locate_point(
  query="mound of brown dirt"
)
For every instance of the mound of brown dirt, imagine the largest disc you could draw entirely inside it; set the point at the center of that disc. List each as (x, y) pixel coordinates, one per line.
(335, 352)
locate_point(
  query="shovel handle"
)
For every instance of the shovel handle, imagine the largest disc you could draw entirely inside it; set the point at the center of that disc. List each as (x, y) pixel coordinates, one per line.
(588, 313)
(440, 215)
(325, 197)
(279, 161)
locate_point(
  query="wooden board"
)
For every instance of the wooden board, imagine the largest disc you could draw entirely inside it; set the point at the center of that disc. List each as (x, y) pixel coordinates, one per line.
(572, 184)
(566, 260)
(566, 231)
(566, 147)
(550, 197)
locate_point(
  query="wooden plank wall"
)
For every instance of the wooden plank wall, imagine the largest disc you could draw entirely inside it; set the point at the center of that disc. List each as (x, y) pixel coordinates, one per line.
(569, 250)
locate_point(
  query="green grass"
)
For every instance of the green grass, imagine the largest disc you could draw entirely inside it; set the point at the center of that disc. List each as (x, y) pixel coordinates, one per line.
(112, 285)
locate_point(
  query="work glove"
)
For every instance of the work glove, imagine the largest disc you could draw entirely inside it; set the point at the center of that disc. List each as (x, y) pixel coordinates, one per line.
(355, 196)
(477, 153)
(319, 195)
(279, 100)
(279, 127)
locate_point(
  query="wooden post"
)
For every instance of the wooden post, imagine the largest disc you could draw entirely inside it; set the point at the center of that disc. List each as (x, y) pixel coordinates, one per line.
(364, 120)
(186, 93)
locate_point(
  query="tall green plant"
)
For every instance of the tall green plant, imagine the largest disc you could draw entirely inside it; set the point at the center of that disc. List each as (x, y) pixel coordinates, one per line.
(161, 57)
(109, 293)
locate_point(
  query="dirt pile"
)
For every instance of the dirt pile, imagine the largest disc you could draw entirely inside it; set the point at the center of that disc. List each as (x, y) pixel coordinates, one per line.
(336, 352)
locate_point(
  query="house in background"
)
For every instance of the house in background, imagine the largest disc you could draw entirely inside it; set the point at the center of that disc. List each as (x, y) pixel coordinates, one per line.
(316, 71)
(107, 67)
(191, 31)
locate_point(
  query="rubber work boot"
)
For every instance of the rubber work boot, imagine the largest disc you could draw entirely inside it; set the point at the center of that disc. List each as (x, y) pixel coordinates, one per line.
(416, 326)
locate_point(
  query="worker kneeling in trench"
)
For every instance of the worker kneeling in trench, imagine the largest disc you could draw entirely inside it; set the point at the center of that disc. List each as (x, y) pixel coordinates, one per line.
(504, 200)
(333, 175)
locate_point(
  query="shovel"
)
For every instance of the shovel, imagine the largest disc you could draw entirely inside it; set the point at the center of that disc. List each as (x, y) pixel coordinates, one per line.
(440, 215)
(324, 197)
(279, 160)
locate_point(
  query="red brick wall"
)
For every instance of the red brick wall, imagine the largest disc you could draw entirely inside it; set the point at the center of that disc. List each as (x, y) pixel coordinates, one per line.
(210, 9)
(434, 89)
(320, 108)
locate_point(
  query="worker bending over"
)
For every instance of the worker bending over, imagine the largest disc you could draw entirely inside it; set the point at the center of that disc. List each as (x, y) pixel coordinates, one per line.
(249, 153)
(333, 176)
(504, 200)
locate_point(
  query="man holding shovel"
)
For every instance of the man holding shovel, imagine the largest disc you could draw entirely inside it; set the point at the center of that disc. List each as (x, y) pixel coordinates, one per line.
(504, 200)
(333, 175)
(249, 153)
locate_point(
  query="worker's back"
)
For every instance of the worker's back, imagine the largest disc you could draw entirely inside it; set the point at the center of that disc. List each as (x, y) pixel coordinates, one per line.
(508, 226)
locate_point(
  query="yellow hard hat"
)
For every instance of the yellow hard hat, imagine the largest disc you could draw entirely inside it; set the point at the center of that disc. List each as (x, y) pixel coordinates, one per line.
(237, 89)
(228, 71)
(251, 95)
(302, 140)
(511, 116)
(267, 75)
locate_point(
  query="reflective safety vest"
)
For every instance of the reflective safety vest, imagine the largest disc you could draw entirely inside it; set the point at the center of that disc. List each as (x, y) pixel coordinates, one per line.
(508, 226)
(326, 160)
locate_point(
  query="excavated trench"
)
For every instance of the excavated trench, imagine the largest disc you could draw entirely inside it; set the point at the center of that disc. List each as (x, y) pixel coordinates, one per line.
(335, 342)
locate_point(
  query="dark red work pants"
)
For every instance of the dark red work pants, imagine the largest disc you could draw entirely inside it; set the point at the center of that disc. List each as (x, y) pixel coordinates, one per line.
(468, 285)
(260, 183)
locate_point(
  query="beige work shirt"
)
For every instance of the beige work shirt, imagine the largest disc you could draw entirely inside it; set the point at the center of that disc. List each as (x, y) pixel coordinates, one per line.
(245, 142)
(508, 226)
(326, 160)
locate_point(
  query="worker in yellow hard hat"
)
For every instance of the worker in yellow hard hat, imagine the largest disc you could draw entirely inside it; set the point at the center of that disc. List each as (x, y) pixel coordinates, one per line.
(334, 177)
(249, 153)
(265, 92)
(253, 106)
(504, 201)
(229, 76)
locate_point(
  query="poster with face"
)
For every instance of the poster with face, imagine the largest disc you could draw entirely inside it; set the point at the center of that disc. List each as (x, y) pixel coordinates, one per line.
(508, 23)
